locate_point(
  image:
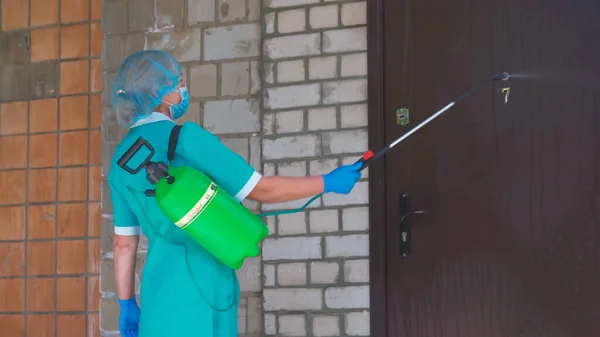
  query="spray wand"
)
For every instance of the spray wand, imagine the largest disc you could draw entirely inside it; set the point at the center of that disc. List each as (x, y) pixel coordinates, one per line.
(370, 156)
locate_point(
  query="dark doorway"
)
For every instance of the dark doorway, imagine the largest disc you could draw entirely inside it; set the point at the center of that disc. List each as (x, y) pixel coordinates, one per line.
(511, 242)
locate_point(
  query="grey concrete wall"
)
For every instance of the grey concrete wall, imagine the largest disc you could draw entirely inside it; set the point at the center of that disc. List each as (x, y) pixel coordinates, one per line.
(218, 44)
(283, 82)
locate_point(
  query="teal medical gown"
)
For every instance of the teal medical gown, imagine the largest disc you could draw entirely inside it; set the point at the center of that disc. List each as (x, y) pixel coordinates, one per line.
(170, 303)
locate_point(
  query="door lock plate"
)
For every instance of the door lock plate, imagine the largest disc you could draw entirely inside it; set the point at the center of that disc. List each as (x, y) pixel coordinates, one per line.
(402, 116)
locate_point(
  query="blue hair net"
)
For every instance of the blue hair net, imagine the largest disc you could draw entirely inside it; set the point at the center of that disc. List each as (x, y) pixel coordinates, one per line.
(142, 81)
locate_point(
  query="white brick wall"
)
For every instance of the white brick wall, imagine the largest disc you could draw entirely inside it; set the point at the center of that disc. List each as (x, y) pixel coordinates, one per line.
(316, 263)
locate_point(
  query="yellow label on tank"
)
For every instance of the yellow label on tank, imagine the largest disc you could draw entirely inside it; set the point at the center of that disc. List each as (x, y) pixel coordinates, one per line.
(199, 207)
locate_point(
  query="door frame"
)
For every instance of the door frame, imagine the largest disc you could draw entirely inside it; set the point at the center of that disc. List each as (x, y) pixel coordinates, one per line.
(377, 200)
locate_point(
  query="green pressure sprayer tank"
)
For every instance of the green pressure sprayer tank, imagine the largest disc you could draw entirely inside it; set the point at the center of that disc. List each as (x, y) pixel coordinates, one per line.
(210, 216)
(203, 210)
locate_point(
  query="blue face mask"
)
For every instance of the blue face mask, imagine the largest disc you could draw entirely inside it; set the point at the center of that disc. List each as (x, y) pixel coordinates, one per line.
(178, 110)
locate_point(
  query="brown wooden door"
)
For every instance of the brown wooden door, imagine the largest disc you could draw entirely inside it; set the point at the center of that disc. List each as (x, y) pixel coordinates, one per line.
(511, 244)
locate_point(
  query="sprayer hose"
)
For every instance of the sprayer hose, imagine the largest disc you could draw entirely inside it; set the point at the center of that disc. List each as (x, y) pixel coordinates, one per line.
(290, 211)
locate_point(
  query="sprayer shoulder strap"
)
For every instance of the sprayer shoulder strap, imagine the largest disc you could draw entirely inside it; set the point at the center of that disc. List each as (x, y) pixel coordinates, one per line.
(173, 142)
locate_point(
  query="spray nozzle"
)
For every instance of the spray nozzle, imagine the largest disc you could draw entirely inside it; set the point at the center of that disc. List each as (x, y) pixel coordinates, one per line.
(502, 76)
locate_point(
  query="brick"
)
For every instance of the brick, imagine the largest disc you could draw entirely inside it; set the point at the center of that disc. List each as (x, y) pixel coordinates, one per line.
(354, 64)
(347, 141)
(357, 323)
(270, 324)
(140, 15)
(345, 40)
(322, 166)
(114, 17)
(232, 116)
(322, 67)
(106, 233)
(269, 275)
(347, 297)
(291, 224)
(293, 45)
(326, 325)
(354, 115)
(44, 79)
(268, 71)
(289, 274)
(293, 20)
(356, 271)
(203, 80)
(355, 219)
(235, 78)
(292, 299)
(16, 83)
(254, 7)
(268, 124)
(14, 48)
(292, 325)
(288, 3)
(255, 159)
(109, 320)
(291, 147)
(118, 48)
(169, 13)
(293, 96)
(324, 272)
(231, 10)
(358, 196)
(295, 248)
(347, 245)
(290, 71)
(344, 91)
(201, 11)
(242, 315)
(254, 314)
(289, 121)
(237, 41)
(249, 275)
(323, 16)
(255, 82)
(322, 118)
(271, 225)
(354, 13)
(323, 221)
(294, 168)
(269, 170)
(270, 23)
(185, 46)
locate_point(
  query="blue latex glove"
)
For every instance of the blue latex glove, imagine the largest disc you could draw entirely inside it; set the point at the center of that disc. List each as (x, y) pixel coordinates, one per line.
(129, 317)
(342, 179)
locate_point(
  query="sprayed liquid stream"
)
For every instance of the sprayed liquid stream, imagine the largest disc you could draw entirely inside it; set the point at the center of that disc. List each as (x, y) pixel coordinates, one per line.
(562, 75)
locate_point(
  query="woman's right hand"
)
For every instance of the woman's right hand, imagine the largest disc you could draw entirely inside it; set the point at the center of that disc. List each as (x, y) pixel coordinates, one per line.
(342, 179)
(129, 317)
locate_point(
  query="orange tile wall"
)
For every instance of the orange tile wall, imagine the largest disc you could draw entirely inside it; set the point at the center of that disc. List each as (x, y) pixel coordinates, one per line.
(50, 176)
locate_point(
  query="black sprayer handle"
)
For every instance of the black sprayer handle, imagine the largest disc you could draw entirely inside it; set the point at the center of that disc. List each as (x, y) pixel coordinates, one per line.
(139, 143)
(366, 159)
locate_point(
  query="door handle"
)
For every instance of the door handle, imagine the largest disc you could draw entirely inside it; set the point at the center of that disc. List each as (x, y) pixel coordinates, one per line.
(406, 214)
